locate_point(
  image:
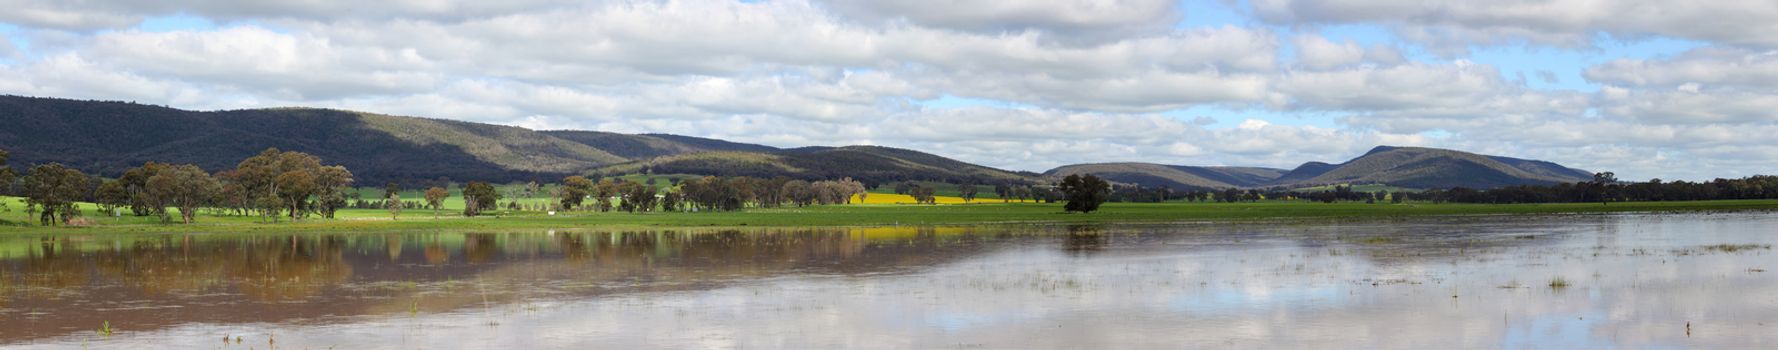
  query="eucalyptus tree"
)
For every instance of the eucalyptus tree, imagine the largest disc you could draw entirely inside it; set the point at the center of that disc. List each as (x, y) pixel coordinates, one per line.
(54, 188)
(186, 187)
(435, 198)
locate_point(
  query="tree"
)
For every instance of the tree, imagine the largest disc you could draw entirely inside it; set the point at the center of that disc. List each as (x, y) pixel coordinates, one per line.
(135, 183)
(1605, 187)
(435, 198)
(637, 197)
(799, 192)
(968, 191)
(923, 195)
(856, 188)
(186, 187)
(670, 202)
(54, 188)
(394, 204)
(478, 196)
(111, 196)
(294, 189)
(330, 183)
(265, 177)
(1084, 194)
(391, 190)
(574, 191)
(602, 193)
(6, 173)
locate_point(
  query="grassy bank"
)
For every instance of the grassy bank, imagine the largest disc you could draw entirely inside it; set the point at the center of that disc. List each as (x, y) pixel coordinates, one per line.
(879, 215)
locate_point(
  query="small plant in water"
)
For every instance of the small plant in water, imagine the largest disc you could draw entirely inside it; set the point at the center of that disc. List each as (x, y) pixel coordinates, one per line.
(1558, 283)
(1735, 248)
(105, 329)
(1378, 240)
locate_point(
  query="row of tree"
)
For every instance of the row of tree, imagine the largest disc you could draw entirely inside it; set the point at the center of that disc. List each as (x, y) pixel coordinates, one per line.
(275, 185)
(272, 185)
(1606, 189)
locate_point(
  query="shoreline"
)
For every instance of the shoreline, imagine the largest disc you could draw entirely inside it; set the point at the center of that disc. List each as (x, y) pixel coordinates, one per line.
(865, 216)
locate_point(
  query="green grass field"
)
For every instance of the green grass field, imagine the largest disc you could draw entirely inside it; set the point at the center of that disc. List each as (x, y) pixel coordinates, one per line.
(860, 215)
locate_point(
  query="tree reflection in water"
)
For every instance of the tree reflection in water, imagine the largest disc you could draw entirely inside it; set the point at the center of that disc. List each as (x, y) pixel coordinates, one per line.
(67, 283)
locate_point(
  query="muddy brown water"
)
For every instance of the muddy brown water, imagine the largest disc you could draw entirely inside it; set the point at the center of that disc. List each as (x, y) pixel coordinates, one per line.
(1627, 280)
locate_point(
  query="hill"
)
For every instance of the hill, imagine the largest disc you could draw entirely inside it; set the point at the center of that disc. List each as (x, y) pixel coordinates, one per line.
(109, 137)
(1417, 167)
(632, 147)
(1410, 167)
(106, 138)
(1173, 176)
(869, 164)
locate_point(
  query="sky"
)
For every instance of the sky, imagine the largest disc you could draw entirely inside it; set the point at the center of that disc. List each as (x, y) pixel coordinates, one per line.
(1665, 89)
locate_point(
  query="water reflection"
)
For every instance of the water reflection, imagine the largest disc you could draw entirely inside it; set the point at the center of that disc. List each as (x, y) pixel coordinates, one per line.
(58, 285)
(1471, 282)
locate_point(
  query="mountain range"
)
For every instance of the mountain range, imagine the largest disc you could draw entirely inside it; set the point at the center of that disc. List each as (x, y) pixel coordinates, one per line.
(108, 137)
(1410, 167)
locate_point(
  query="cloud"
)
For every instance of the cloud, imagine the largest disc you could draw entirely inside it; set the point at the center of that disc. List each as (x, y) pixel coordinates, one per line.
(1316, 52)
(1709, 67)
(93, 15)
(296, 66)
(1409, 86)
(1074, 21)
(1049, 83)
(1452, 25)
(1679, 106)
(71, 76)
(623, 44)
(1708, 85)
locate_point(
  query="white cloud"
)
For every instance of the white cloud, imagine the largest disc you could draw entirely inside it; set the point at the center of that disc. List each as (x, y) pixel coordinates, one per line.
(1316, 52)
(1707, 67)
(1451, 25)
(1709, 85)
(1054, 82)
(1068, 20)
(1408, 86)
(297, 66)
(1694, 107)
(87, 15)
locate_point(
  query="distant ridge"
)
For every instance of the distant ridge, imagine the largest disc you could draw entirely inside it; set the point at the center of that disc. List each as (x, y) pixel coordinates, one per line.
(1411, 167)
(1174, 176)
(107, 137)
(1416, 167)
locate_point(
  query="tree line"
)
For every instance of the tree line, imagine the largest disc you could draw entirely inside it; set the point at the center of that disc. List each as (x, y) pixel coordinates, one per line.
(709, 193)
(273, 185)
(278, 185)
(1606, 189)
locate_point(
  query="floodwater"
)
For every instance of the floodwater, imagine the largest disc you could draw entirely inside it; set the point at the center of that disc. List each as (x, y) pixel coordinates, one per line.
(1626, 280)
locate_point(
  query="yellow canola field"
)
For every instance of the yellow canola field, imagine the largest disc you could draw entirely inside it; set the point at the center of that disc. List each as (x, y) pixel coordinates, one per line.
(890, 198)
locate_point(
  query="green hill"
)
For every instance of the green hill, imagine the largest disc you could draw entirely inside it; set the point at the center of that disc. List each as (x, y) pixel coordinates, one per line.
(643, 146)
(1173, 176)
(107, 138)
(869, 164)
(1403, 167)
(1416, 167)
